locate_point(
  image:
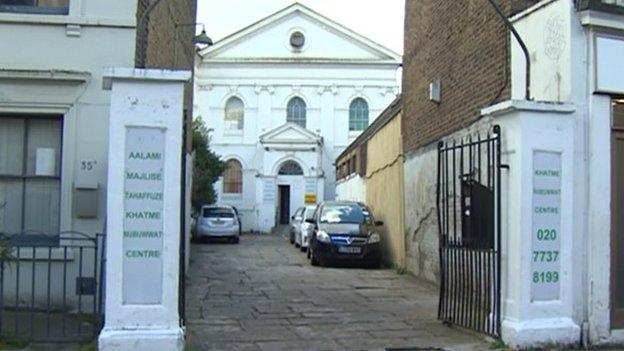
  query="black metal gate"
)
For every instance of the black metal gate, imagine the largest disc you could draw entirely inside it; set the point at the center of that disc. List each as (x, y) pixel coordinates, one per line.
(468, 203)
(50, 286)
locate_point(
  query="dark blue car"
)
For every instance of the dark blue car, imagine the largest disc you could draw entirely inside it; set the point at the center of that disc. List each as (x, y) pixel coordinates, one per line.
(345, 232)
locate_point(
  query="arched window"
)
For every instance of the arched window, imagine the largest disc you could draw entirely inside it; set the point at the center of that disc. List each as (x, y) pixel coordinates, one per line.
(296, 111)
(233, 177)
(290, 168)
(234, 114)
(358, 114)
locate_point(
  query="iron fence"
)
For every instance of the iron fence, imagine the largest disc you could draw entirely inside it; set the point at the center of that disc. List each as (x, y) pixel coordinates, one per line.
(50, 286)
(468, 203)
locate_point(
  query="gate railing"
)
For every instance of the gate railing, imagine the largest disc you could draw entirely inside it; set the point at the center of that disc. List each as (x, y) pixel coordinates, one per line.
(50, 286)
(468, 204)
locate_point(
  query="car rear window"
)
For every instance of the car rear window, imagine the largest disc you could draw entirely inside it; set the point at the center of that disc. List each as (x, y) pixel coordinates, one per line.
(345, 213)
(218, 213)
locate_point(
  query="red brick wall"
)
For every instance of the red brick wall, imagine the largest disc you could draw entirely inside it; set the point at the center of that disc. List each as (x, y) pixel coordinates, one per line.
(464, 44)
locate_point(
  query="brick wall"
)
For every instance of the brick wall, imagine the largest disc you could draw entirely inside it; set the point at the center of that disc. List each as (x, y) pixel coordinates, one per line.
(168, 47)
(161, 43)
(465, 45)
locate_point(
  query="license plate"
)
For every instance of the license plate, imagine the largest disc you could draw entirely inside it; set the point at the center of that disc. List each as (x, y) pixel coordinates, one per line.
(350, 249)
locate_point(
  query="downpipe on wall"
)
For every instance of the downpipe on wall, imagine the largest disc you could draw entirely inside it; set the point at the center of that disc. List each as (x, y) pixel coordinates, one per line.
(509, 25)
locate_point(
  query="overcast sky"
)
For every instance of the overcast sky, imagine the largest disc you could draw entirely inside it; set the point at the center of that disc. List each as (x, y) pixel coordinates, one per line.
(379, 20)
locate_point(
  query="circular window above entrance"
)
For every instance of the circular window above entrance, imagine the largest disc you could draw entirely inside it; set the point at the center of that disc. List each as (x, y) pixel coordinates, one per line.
(290, 168)
(297, 40)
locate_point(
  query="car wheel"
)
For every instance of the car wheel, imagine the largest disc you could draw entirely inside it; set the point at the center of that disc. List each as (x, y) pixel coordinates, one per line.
(297, 244)
(292, 238)
(303, 249)
(313, 260)
(236, 240)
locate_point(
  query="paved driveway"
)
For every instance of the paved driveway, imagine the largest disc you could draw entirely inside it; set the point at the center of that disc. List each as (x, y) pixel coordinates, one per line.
(263, 295)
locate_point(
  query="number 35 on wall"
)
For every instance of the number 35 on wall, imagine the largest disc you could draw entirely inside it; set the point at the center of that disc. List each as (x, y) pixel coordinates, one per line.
(87, 165)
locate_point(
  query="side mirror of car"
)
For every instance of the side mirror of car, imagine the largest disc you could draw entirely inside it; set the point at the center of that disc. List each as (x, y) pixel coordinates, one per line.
(379, 223)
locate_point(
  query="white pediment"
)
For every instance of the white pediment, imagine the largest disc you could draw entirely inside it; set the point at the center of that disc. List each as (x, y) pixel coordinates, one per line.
(290, 134)
(325, 40)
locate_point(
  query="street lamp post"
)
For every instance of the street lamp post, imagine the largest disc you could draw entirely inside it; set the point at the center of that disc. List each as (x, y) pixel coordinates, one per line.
(201, 38)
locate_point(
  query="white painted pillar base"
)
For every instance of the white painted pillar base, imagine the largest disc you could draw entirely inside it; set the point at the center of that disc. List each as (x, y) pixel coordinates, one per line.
(538, 191)
(142, 339)
(547, 331)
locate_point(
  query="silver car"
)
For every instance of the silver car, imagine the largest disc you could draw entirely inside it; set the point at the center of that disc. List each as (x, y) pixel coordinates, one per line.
(300, 228)
(218, 221)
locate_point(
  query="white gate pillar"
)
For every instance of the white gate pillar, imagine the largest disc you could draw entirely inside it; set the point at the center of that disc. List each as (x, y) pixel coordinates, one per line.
(143, 210)
(539, 278)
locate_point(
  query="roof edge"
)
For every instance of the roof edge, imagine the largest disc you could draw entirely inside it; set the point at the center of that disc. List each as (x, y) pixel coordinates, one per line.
(296, 6)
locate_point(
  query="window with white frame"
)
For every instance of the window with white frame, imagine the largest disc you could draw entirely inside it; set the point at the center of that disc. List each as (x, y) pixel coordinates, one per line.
(296, 111)
(358, 115)
(234, 115)
(45, 7)
(30, 174)
(233, 177)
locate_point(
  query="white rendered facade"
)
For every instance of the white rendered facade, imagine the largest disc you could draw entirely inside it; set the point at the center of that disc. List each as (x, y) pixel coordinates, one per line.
(260, 66)
(64, 87)
(65, 84)
(576, 87)
(577, 84)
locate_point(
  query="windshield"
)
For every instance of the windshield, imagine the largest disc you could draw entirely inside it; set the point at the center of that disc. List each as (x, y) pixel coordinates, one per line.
(345, 213)
(218, 213)
(309, 213)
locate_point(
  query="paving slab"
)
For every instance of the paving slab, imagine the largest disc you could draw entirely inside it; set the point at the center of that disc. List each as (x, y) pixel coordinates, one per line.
(263, 294)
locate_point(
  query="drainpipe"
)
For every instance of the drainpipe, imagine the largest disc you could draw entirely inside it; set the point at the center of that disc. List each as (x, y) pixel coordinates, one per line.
(141, 45)
(527, 93)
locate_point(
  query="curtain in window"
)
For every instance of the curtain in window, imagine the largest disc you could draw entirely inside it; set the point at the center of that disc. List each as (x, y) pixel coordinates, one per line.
(234, 114)
(233, 177)
(30, 183)
(296, 111)
(358, 115)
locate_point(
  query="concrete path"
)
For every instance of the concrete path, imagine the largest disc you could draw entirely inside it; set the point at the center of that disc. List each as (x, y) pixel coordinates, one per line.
(263, 295)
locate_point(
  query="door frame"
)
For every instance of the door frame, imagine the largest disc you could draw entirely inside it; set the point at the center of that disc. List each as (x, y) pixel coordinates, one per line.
(296, 184)
(280, 209)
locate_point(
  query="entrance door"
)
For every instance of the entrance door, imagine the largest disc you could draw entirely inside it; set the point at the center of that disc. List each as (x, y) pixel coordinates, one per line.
(284, 204)
(617, 216)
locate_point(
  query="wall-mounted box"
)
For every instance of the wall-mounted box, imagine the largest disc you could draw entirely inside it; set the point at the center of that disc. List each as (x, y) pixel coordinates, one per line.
(86, 197)
(435, 93)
